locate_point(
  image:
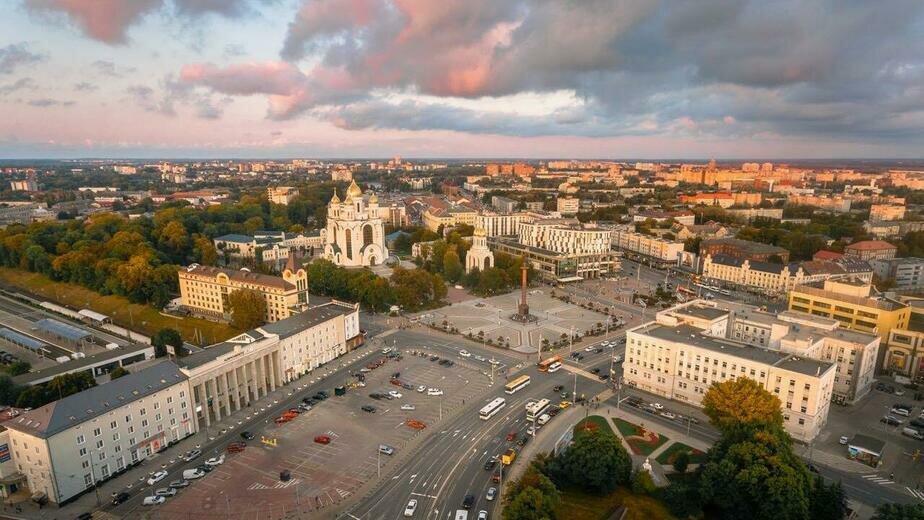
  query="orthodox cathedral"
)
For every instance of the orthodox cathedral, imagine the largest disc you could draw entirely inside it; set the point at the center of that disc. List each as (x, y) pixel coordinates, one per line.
(355, 234)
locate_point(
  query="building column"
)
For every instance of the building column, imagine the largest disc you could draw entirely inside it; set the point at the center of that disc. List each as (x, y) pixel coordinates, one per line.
(237, 389)
(254, 382)
(223, 386)
(270, 371)
(281, 375)
(250, 381)
(261, 375)
(204, 404)
(213, 386)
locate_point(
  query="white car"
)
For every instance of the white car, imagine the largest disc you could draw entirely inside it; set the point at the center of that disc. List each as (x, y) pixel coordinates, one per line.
(482, 515)
(465, 353)
(589, 349)
(153, 500)
(480, 358)
(843, 439)
(532, 430)
(165, 492)
(605, 344)
(494, 361)
(657, 406)
(364, 370)
(667, 415)
(408, 407)
(216, 461)
(411, 507)
(421, 389)
(396, 394)
(157, 477)
(434, 391)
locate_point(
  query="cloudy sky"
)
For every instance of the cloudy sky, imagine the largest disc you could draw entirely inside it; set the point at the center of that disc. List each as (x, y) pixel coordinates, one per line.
(462, 78)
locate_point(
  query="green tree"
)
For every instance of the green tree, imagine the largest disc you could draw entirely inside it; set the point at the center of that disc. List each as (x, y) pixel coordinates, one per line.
(530, 504)
(20, 367)
(9, 391)
(118, 372)
(248, 308)
(899, 512)
(828, 501)
(742, 403)
(596, 461)
(452, 266)
(681, 461)
(164, 337)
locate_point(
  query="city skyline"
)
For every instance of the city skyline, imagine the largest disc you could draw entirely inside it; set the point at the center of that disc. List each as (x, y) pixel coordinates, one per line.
(367, 78)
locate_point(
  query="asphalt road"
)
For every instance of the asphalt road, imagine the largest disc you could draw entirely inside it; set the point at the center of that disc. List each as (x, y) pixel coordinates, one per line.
(449, 464)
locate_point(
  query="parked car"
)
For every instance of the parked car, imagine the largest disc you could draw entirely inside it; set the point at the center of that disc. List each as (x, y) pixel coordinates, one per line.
(191, 455)
(595, 370)
(368, 408)
(558, 388)
(434, 391)
(153, 500)
(118, 498)
(178, 484)
(843, 440)
(157, 477)
(408, 407)
(204, 468)
(322, 439)
(891, 420)
(385, 449)
(215, 461)
(396, 394)
(465, 353)
(165, 492)
(421, 389)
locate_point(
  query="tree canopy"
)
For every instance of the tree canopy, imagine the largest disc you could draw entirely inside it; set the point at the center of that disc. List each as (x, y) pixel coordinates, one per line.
(741, 403)
(248, 308)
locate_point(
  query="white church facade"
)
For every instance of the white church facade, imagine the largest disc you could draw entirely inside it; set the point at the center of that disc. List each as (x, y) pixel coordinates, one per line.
(355, 234)
(479, 256)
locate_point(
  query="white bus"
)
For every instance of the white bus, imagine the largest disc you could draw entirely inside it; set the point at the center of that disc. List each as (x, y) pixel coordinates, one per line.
(492, 408)
(536, 409)
(517, 384)
(555, 366)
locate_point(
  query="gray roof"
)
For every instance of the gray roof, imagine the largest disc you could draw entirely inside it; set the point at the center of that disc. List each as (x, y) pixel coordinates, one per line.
(868, 443)
(689, 335)
(765, 267)
(81, 364)
(233, 237)
(305, 320)
(211, 353)
(76, 409)
(702, 311)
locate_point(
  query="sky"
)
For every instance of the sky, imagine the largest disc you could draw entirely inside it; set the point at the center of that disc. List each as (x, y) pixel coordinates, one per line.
(724, 79)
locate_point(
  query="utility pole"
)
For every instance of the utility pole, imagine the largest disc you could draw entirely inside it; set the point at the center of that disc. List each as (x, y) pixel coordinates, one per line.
(574, 390)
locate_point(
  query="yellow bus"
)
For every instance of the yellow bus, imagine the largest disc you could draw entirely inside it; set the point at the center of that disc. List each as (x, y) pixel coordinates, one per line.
(546, 363)
(516, 384)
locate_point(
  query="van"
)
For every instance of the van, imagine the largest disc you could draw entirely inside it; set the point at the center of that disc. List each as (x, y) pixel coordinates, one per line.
(152, 500)
(461, 514)
(190, 474)
(914, 433)
(544, 418)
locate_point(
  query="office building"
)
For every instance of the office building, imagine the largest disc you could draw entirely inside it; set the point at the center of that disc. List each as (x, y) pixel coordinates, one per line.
(871, 250)
(568, 205)
(671, 358)
(65, 447)
(906, 273)
(647, 248)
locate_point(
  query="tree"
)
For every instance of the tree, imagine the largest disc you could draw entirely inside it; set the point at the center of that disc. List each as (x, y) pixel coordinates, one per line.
(595, 460)
(248, 309)
(9, 391)
(452, 266)
(741, 404)
(164, 337)
(828, 501)
(20, 367)
(118, 372)
(642, 484)
(681, 461)
(528, 505)
(899, 512)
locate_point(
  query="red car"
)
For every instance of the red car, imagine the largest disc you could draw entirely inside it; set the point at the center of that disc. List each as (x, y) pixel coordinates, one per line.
(322, 439)
(511, 436)
(236, 447)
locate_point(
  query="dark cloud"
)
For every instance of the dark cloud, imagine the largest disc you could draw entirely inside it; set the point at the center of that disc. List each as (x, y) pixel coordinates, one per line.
(49, 102)
(20, 84)
(16, 55)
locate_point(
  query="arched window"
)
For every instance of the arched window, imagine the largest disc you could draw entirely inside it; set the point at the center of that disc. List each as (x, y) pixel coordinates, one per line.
(371, 260)
(349, 244)
(367, 234)
(487, 263)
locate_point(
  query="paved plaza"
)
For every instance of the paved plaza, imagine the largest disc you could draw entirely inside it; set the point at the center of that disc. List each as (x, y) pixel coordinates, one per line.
(489, 319)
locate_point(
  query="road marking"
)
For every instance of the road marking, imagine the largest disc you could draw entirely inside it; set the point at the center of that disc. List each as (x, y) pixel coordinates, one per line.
(873, 477)
(422, 495)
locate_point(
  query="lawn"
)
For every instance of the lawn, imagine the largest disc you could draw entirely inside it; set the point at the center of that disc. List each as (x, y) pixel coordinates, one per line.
(594, 422)
(642, 441)
(136, 316)
(577, 504)
(667, 456)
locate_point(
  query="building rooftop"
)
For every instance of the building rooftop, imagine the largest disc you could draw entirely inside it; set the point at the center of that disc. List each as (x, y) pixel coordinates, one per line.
(83, 406)
(241, 276)
(686, 334)
(80, 364)
(766, 267)
(745, 245)
(213, 352)
(870, 245)
(878, 302)
(702, 311)
(233, 237)
(307, 319)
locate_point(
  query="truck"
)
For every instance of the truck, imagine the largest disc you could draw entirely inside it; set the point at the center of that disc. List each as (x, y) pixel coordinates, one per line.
(508, 457)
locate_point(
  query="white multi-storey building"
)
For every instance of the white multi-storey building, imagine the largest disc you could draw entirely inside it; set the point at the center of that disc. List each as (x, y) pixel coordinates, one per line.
(646, 247)
(565, 236)
(65, 447)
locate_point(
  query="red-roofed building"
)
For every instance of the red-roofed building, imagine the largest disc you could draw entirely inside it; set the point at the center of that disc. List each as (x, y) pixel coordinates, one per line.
(871, 250)
(825, 255)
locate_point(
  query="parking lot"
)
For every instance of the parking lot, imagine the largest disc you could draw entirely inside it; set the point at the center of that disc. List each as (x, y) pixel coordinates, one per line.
(248, 484)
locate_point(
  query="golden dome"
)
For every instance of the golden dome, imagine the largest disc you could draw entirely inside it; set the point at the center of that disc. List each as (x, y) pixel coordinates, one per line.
(374, 199)
(353, 191)
(335, 199)
(479, 232)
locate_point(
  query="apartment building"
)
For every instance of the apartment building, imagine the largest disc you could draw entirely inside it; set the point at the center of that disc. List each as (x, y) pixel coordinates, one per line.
(228, 376)
(776, 279)
(743, 249)
(205, 290)
(66, 447)
(506, 224)
(905, 347)
(687, 218)
(647, 248)
(566, 236)
(568, 205)
(834, 204)
(855, 304)
(281, 194)
(884, 212)
(504, 204)
(675, 360)
(871, 250)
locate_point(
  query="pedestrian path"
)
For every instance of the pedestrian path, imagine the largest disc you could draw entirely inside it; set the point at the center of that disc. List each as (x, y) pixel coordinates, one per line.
(916, 493)
(874, 477)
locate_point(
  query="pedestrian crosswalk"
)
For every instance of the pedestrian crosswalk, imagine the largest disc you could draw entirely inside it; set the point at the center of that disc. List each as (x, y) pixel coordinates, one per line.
(874, 477)
(278, 485)
(918, 494)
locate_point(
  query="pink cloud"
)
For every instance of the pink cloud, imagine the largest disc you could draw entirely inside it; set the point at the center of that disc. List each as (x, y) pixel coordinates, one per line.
(104, 20)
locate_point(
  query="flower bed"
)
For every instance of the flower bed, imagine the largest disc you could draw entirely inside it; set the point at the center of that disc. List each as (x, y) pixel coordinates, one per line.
(640, 440)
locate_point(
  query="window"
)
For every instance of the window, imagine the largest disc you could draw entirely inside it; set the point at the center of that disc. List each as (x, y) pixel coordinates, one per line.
(113, 425)
(99, 444)
(82, 452)
(80, 439)
(97, 432)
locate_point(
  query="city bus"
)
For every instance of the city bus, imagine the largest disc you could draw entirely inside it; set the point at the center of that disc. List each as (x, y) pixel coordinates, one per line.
(492, 408)
(545, 364)
(517, 384)
(555, 366)
(536, 408)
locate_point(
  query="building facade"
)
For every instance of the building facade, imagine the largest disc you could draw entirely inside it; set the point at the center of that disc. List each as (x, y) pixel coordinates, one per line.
(871, 250)
(355, 232)
(64, 448)
(675, 360)
(479, 256)
(205, 290)
(495, 224)
(281, 194)
(568, 205)
(654, 250)
(906, 273)
(743, 249)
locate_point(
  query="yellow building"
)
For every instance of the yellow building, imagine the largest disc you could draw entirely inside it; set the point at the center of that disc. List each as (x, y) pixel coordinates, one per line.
(855, 304)
(204, 290)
